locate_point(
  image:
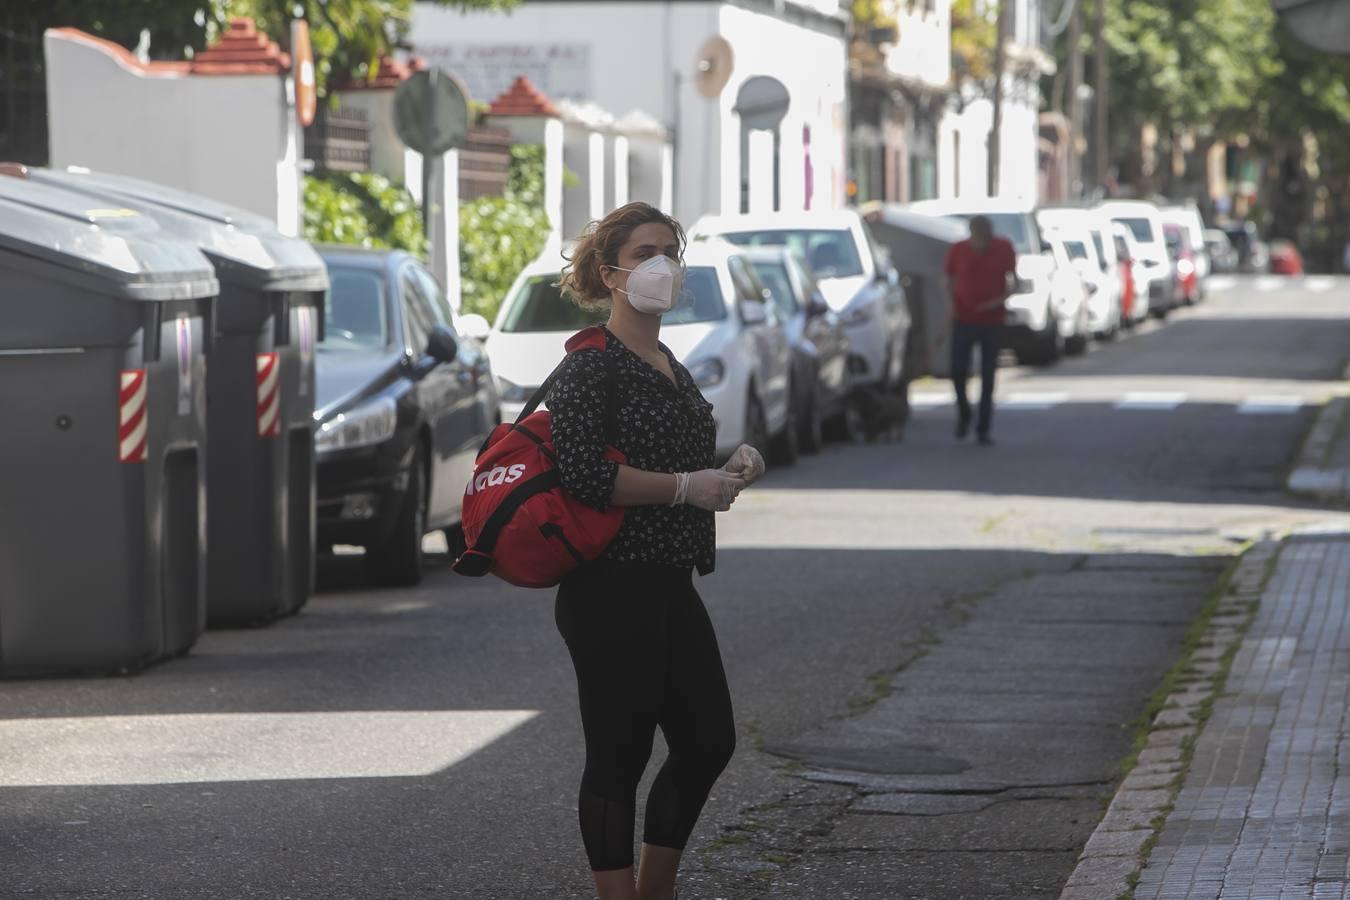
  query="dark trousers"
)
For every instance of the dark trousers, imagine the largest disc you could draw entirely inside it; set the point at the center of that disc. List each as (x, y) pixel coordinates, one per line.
(964, 339)
(646, 657)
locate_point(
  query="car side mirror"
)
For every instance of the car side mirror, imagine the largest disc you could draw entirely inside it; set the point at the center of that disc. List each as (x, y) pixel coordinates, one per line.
(441, 348)
(754, 312)
(817, 307)
(1046, 248)
(475, 327)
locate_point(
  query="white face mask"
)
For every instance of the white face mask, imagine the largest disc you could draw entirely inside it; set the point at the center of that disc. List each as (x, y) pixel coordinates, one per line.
(654, 285)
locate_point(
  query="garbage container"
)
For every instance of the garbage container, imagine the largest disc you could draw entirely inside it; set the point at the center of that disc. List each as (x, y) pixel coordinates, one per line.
(260, 394)
(104, 326)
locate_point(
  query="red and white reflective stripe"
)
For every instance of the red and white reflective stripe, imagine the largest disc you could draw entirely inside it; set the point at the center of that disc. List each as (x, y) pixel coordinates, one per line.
(133, 429)
(269, 395)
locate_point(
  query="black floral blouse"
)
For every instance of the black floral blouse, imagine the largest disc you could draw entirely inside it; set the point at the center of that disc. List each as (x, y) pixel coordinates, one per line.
(659, 427)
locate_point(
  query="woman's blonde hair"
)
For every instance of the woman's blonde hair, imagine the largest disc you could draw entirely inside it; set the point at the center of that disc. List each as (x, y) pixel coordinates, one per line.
(599, 245)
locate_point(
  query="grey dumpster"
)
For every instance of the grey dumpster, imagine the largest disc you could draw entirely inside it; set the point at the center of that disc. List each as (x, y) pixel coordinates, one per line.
(918, 245)
(260, 390)
(104, 322)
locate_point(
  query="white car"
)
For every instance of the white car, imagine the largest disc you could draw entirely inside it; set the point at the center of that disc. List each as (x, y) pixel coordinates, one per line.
(721, 329)
(1187, 216)
(1087, 239)
(1156, 276)
(1045, 313)
(1071, 253)
(1127, 251)
(854, 274)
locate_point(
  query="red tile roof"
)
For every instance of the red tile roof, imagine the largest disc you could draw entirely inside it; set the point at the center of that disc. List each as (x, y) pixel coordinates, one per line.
(241, 50)
(390, 74)
(523, 99)
(123, 56)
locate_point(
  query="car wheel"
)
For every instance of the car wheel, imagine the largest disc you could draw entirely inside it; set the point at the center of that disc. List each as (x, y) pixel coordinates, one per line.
(1078, 344)
(1049, 344)
(785, 446)
(756, 427)
(848, 425)
(398, 561)
(811, 426)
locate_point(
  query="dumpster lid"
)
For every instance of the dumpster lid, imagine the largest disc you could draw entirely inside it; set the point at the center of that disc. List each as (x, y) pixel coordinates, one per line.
(119, 246)
(245, 247)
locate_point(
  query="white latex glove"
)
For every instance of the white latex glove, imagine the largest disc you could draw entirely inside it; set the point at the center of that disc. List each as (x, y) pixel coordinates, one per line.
(746, 463)
(713, 490)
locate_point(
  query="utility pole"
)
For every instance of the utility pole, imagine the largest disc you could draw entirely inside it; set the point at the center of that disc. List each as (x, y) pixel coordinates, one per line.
(1000, 63)
(1102, 102)
(1071, 158)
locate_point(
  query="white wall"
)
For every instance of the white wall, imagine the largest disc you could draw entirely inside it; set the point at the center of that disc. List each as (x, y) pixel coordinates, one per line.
(964, 174)
(924, 49)
(640, 51)
(232, 138)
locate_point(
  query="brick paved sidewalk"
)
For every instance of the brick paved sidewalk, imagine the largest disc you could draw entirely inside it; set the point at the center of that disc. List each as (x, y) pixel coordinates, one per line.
(1264, 811)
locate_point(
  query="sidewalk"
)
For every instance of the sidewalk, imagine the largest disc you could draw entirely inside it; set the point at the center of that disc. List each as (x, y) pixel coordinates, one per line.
(1263, 810)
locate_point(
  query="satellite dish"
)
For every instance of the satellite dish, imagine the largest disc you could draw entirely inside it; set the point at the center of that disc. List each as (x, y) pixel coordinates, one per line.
(712, 69)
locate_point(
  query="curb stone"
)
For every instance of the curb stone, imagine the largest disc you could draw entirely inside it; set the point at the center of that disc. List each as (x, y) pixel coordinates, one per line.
(1312, 475)
(1118, 849)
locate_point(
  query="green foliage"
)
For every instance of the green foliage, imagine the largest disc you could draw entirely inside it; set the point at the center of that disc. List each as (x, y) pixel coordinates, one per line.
(362, 209)
(500, 236)
(974, 34)
(1191, 63)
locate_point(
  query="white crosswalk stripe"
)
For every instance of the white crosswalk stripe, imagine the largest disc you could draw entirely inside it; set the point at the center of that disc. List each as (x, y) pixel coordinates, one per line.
(930, 400)
(1151, 400)
(1034, 400)
(1267, 404)
(1220, 283)
(1268, 283)
(1319, 284)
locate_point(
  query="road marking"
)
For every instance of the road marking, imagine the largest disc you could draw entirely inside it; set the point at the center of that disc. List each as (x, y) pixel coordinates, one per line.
(1220, 283)
(1319, 284)
(1266, 404)
(217, 747)
(1151, 400)
(1267, 283)
(930, 400)
(1034, 400)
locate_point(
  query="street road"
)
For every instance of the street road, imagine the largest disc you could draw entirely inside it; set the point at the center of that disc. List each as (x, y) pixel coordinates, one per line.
(937, 653)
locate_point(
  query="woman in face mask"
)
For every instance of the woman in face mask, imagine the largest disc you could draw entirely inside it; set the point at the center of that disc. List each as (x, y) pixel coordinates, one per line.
(640, 639)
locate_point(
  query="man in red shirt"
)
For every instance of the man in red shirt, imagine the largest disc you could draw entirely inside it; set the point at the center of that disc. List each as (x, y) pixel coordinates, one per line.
(980, 275)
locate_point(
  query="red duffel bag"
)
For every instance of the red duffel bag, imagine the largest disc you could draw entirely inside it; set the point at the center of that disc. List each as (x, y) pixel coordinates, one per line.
(518, 523)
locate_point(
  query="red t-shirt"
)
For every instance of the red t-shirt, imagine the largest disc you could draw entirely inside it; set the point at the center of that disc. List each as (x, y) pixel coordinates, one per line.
(979, 279)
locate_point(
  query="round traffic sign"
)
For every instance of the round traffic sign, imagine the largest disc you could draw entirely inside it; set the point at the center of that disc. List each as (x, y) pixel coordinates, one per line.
(431, 112)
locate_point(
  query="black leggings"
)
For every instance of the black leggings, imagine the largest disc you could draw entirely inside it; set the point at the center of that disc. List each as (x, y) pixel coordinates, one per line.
(645, 655)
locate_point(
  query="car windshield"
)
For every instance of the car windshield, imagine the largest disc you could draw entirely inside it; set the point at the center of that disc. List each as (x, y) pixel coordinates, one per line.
(832, 253)
(1142, 229)
(540, 306)
(1012, 226)
(355, 313)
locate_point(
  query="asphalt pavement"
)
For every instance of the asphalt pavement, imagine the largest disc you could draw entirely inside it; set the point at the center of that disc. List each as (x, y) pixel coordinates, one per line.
(937, 655)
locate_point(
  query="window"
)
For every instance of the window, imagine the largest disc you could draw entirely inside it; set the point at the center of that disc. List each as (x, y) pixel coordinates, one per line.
(701, 300)
(1101, 251)
(541, 307)
(831, 253)
(1142, 229)
(355, 310)
(419, 313)
(774, 274)
(431, 289)
(1012, 226)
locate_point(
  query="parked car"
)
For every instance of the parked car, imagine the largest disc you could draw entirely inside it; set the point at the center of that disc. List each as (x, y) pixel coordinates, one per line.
(1187, 216)
(1127, 251)
(1071, 258)
(1184, 261)
(722, 328)
(1045, 311)
(1285, 258)
(1156, 275)
(1125, 266)
(1222, 255)
(1093, 253)
(1253, 254)
(403, 403)
(855, 275)
(819, 385)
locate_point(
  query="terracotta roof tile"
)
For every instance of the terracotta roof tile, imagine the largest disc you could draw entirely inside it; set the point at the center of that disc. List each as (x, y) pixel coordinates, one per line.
(241, 50)
(523, 99)
(391, 73)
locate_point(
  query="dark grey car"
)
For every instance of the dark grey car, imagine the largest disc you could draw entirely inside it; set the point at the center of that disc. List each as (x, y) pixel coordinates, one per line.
(403, 405)
(819, 385)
